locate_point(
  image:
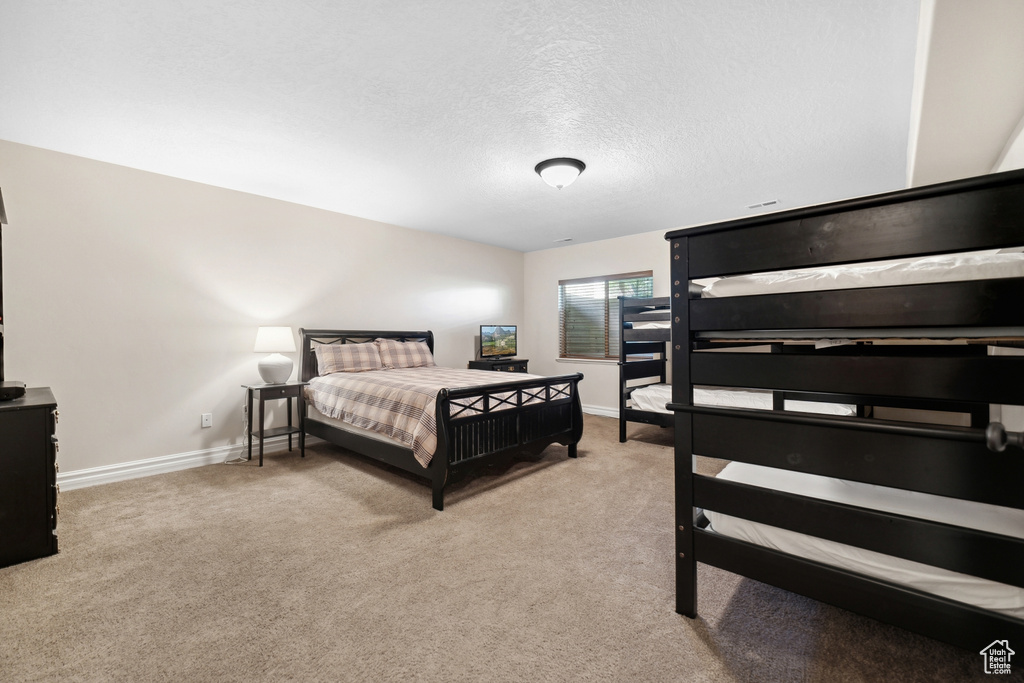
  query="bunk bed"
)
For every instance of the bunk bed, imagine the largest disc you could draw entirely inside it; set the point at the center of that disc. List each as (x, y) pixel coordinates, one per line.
(645, 332)
(939, 509)
(470, 427)
(643, 370)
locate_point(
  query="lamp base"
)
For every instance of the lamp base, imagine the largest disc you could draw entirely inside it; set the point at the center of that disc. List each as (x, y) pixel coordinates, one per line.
(276, 369)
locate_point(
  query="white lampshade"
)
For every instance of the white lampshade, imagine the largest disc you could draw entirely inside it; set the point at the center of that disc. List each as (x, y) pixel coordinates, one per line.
(559, 173)
(275, 368)
(274, 340)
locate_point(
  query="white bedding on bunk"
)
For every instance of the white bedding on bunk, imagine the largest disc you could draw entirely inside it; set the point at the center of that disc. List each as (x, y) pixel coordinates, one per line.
(943, 268)
(653, 398)
(962, 587)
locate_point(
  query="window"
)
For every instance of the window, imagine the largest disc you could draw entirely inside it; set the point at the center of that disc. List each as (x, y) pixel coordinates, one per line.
(588, 312)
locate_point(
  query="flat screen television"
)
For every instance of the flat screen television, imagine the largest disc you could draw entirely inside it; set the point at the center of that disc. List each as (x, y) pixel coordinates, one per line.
(497, 341)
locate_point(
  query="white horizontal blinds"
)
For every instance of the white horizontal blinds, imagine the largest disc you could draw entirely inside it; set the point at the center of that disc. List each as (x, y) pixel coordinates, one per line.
(588, 312)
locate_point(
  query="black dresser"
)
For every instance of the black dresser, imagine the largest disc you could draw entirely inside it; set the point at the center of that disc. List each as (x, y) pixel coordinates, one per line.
(28, 477)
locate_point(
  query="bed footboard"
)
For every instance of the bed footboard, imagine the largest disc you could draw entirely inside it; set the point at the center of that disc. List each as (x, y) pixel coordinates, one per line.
(475, 425)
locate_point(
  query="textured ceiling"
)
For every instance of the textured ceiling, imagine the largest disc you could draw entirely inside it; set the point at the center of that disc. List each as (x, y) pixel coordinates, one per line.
(432, 115)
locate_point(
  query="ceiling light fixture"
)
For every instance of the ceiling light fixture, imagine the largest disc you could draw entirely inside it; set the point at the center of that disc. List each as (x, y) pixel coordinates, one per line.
(559, 173)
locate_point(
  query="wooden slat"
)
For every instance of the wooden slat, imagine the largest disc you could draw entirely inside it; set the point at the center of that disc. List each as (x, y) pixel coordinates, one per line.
(642, 346)
(942, 467)
(644, 303)
(659, 335)
(982, 303)
(647, 417)
(987, 379)
(643, 368)
(946, 620)
(978, 213)
(968, 551)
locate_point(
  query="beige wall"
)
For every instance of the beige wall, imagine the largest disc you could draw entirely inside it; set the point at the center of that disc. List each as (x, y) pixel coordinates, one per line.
(136, 296)
(543, 270)
(968, 95)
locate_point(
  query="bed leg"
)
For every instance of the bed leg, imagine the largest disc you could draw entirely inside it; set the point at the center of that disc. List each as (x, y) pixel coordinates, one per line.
(437, 483)
(572, 450)
(438, 491)
(686, 565)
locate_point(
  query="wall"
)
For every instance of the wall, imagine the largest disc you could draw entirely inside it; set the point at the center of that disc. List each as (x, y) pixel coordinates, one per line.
(136, 296)
(968, 94)
(541, 273)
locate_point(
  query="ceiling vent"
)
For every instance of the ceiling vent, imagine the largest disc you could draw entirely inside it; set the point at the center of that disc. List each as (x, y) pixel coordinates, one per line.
(770, 202)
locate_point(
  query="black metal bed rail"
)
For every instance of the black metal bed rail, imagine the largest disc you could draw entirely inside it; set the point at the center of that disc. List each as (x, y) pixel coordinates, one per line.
(994, 436)
(961, 549)
(947, 620)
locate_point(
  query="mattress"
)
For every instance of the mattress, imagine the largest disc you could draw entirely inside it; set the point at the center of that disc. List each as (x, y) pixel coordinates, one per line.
(985, 265)
(655, 325)
(979, 265)
(315, 415)
(982, 593)
(653, 398)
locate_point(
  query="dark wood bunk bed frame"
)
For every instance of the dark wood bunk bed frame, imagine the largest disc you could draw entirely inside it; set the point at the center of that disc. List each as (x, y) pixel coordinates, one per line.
(476, 426)
(643, 356)
(970, 463)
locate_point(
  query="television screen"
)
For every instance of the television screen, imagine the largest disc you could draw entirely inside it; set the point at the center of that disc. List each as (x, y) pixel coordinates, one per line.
(497, 341)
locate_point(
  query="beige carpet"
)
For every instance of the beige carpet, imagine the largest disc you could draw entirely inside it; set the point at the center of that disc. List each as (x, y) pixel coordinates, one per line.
(330, 568)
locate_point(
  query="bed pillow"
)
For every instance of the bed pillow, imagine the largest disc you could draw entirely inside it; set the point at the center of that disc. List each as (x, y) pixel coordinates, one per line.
(331, 358)
(396, 354)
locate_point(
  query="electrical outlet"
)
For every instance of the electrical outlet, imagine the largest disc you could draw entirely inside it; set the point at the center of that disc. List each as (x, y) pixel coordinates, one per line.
(207, 420)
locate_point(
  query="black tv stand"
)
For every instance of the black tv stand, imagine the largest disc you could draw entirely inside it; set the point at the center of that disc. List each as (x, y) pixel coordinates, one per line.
(500, 364)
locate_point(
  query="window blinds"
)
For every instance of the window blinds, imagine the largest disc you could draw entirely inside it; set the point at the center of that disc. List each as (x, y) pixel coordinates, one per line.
(588, 312)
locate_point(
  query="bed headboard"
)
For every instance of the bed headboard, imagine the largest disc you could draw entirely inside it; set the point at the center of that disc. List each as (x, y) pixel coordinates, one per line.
(311, 338)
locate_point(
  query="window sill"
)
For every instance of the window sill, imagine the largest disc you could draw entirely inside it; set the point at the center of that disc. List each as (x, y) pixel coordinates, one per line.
(597, 361)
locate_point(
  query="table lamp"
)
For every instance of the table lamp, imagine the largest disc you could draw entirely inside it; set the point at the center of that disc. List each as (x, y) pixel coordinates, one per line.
(275, 368)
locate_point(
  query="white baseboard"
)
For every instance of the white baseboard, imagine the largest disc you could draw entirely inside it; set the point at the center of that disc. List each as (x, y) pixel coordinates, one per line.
(602, 411)
(107, 474)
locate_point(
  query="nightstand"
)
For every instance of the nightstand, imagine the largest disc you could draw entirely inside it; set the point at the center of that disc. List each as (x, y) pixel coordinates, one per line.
(274, 392)
(500, 365)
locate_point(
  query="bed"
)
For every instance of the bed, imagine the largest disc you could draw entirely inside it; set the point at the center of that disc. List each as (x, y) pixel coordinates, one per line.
(845, 509)
(645, 333)
(463, 420)
(644, 393)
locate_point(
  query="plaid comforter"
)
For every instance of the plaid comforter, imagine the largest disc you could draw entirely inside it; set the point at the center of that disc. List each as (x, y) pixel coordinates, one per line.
(398, 403)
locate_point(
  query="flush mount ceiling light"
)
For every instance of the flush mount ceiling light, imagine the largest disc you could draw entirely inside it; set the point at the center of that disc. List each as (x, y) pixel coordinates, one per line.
(561, 172)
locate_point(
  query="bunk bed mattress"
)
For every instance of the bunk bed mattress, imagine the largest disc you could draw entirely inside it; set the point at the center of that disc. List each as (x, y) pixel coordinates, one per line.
(986, 265)
(653, 398)
(982, 265)
(398, 403)
(982, 593)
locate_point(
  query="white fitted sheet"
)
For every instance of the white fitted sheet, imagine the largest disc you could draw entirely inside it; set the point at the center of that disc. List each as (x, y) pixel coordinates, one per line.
(986, 594)
(942, 268)
(985, 265)
(653, 398)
